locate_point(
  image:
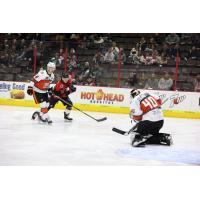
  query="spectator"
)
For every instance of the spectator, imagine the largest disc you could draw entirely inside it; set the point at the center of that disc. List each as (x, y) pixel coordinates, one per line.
(96, 72)
(161, 59)
(172, 38)
(98, 58)
(122, 56)
(98, 40)
(57, 60)
(186, 38)
(87, 71)
(152, 82)
(109, 56)
(72, 52)
(79, 80)
(22, 44)
(165, 83)
(134, 56)
(175, 50)
(90, 82)
(143, 59)
(73, 62)
(166, 50)
(5, 59)
(133, 80)
(152, 43)
(195, 39)
(115, 49)
(22, 53)
(193, 54)
(61, 54)
(197, 83)
(40, 51)
(84, 42)
(74, 41)
(142, 45)
(5, 45)
(148, 59)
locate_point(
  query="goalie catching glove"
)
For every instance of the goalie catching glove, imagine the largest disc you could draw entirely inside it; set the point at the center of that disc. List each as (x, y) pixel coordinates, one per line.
(30, 90)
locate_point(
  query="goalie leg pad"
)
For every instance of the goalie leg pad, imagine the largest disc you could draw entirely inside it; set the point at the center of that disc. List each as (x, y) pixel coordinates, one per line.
(160, 138)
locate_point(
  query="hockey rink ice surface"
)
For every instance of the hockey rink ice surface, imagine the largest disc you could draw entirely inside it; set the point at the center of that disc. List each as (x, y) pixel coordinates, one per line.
(87, 142)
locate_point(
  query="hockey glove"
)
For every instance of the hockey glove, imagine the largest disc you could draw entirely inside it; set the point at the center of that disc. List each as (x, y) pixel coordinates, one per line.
(72, 88)
(67, 92)
(50, 91)
(30, 90)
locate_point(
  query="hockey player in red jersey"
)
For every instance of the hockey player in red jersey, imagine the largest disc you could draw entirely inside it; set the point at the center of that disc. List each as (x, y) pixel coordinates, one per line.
(146, 112)
(62, 89)
(39, 88)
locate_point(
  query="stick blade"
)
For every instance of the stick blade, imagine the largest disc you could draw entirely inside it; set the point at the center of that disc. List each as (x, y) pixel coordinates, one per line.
(102, 119)
(119, 131)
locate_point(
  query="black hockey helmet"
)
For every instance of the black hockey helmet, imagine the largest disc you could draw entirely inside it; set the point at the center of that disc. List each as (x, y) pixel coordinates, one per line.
(65, 75)
(134, 92)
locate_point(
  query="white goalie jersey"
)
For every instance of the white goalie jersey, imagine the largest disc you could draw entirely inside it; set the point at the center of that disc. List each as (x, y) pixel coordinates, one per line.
(146, 107)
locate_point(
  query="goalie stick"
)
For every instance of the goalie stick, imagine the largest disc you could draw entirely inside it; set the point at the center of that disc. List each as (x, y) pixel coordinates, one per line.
(98, 120)
(124, 132)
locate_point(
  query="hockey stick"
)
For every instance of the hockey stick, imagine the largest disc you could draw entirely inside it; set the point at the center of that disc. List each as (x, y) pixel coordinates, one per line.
(121, 132)
(165, 101)
(98, 120)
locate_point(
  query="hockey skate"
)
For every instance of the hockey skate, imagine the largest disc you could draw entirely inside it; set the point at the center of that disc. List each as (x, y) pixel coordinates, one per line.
(44, 118)
(137, 140)
(48, 119)
(66, 117)
(35, 115)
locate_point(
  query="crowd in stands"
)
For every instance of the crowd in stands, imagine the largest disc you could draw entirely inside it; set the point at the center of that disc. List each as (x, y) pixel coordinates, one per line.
(86, 56)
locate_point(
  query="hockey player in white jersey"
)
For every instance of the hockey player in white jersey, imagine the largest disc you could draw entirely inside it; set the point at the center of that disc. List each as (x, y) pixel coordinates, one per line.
(40, 89)
(146, 112)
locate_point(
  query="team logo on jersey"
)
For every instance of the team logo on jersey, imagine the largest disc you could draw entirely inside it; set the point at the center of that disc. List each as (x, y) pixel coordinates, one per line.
(101, 97)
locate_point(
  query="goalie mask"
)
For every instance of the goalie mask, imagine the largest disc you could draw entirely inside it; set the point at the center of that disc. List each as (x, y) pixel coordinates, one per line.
(134, 93)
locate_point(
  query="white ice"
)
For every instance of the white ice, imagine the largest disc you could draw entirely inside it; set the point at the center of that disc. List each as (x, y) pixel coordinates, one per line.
(87, 142)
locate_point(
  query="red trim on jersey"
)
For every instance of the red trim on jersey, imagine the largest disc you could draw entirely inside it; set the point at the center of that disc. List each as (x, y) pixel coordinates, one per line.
(137, 118)
(149, 103)
(44, 110)
(42, 84)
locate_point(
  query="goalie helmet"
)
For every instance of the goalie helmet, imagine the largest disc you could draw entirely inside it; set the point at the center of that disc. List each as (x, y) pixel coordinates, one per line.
(134, 93)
